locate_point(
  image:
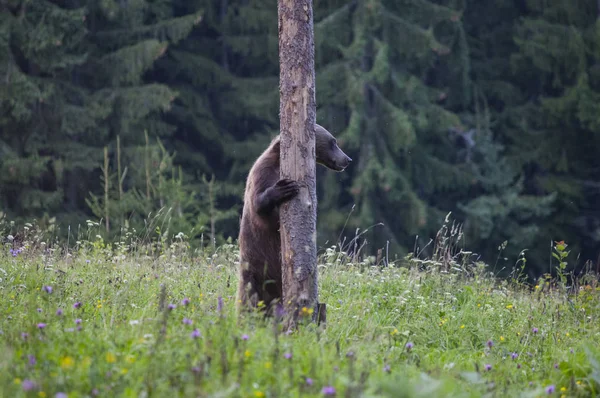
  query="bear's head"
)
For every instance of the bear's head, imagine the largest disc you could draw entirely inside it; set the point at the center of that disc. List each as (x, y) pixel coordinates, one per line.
(328, 152)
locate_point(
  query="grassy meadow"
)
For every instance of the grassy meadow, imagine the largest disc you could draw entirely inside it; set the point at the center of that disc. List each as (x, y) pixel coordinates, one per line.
(159, 320)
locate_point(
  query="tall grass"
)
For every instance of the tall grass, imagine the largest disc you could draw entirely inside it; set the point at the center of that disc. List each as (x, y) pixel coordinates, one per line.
(154, 318)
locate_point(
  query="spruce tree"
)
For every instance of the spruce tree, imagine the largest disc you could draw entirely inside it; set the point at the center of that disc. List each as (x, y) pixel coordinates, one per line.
(376, 93)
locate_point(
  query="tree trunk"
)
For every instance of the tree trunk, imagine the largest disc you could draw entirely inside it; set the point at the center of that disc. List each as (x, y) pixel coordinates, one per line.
(298, 162)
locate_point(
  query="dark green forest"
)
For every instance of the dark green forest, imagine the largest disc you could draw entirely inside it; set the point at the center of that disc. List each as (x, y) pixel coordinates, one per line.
(125, 111)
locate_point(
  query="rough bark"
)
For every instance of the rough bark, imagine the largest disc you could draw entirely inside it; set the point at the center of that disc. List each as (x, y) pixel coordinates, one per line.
(298, 162)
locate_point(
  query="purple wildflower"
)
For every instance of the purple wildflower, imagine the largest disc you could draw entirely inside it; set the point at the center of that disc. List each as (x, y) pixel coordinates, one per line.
(28, 385)
(41, 325)
(490, 343)
(220, 304)
(24, 335)
(387, 368)
(87, 261)
(245, 337)
(288, 355)
(309, 381)
(328, 390)
(48, 289)
(514, 355)
(31, 359)
(534, 330)
(196, 369)
(195, 334)
(61, 395)
(409, 346)
(488, 367)
(555, 366)
(185, 301)
(77, 305)
(39, 310)
(78, 321)
(172, 307)
(550, 389)
(59, 312)
(187, 321)
(95, 392)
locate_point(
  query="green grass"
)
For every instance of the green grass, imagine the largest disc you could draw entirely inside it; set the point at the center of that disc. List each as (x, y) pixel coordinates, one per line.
(125, 341)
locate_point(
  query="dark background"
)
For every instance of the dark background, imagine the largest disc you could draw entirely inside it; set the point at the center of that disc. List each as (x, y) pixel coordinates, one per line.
(489, 109)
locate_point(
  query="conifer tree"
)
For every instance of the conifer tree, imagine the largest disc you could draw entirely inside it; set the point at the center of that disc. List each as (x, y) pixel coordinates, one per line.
(375, 92)
(41, 47)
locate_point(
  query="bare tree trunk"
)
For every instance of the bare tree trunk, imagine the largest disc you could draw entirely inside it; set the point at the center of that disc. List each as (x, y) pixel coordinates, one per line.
(297, 127)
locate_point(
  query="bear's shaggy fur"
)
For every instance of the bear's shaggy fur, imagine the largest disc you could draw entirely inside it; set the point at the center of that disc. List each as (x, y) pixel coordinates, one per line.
(259, 239)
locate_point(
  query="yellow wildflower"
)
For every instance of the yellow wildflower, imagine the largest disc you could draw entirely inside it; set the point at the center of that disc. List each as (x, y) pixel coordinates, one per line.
(462, 326)
(66, 362)
(110, 357)
(17, 381)
(268, 365)
(247, 354)
(501, 338)
(42, 394)
(259, 394)
(509, 306)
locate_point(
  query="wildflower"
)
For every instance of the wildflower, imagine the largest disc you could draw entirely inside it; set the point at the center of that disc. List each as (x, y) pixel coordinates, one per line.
(509, 306)
(387, 369)
(501, 338)
(518, 366)
(39, 310)
(61, 395)
(409, 346)
(488, 367)
(47, 289)
(195, 334)
(187, 321)
(288, 355)
(185, 301)
(59, 312)
(247, 354)
(196, 369)
(534, 330)
(28, 385)
(309, 381)
(31, 359)
(245, 337)
(41, 325)
(514, 355)
(259, 394)
(563, 389)
(171, 307)
(550, 389)
(307, 311)
(67, 362)
(77, 305)
(110, 357)
(220, 304)
(268, 365)
(555, 366)
(328, 390)
(78, 321)
(462, 326)
(490, 343)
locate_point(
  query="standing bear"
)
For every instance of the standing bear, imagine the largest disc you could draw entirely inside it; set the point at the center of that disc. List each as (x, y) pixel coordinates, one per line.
(260, 272)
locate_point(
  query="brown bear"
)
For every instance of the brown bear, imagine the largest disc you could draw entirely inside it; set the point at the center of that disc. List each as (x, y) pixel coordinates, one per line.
(259, 239)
